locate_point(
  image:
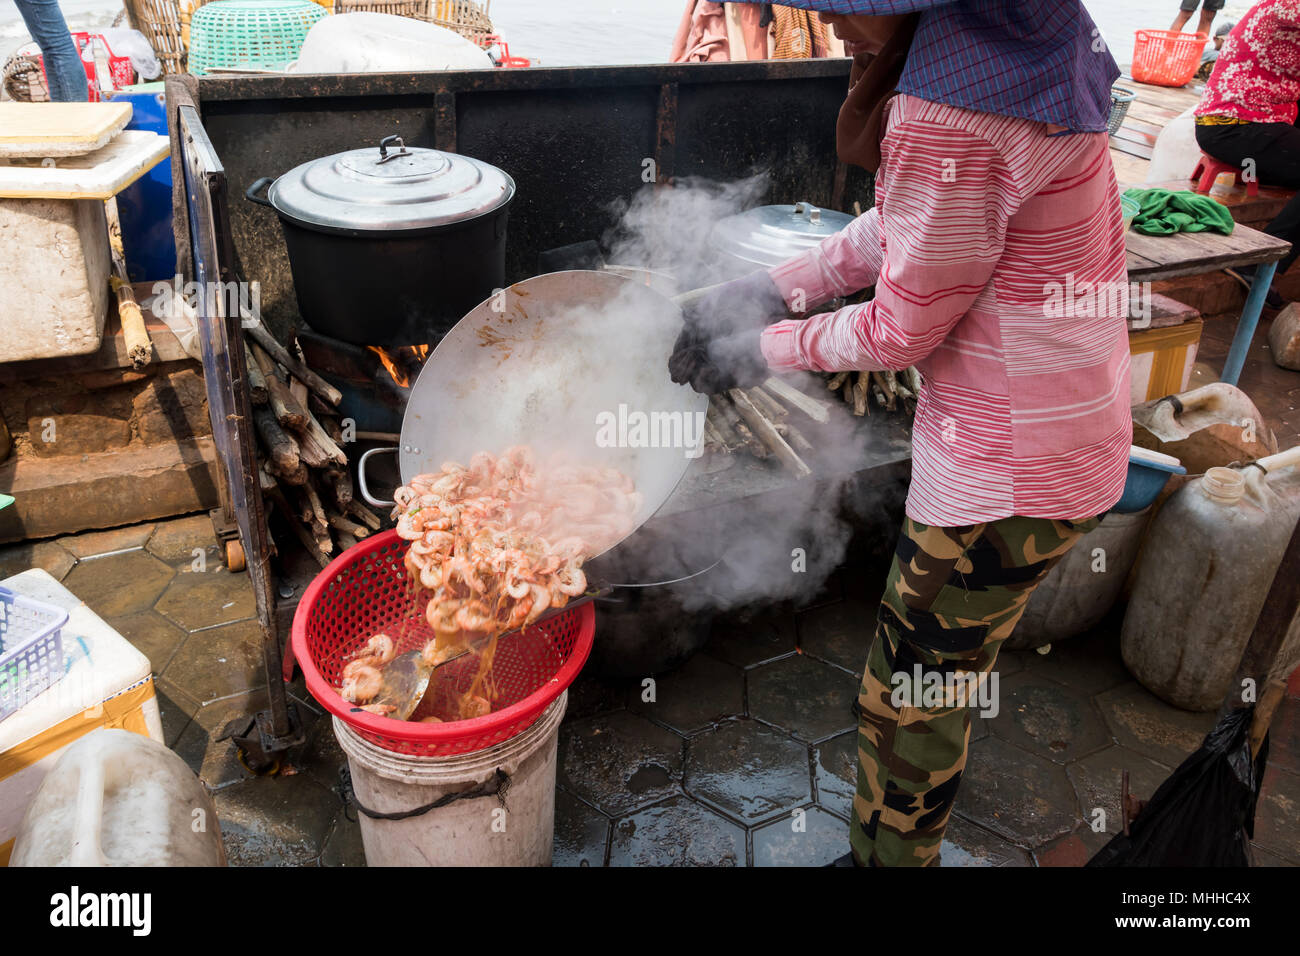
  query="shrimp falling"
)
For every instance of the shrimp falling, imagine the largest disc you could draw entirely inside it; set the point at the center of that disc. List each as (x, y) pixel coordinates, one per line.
(496, 544)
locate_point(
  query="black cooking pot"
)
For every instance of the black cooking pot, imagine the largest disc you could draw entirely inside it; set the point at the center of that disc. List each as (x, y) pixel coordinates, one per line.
(649, 628)
(391, 246)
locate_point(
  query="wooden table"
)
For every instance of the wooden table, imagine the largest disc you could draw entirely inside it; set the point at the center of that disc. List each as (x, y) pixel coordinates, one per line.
(1196, 253)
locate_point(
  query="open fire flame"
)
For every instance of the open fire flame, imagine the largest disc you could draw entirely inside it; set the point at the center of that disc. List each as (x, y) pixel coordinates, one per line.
(403, 363)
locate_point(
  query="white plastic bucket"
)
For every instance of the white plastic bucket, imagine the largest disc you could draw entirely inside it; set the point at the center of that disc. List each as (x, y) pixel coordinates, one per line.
(516, 828)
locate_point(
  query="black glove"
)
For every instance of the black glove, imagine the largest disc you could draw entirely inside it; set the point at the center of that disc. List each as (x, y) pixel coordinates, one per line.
(721, 328)
(733, 361)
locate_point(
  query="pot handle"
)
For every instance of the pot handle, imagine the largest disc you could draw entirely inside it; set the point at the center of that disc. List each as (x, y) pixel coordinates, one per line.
(809, 212)
(251, 192)
(361, 476)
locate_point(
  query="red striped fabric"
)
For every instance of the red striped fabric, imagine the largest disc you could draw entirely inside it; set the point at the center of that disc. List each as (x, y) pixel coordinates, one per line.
(997, 252)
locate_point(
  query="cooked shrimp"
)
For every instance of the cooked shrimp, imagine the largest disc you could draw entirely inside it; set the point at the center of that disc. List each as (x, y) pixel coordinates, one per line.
(464, 569)
(474, 616)
(430, 576)
(362, 685)
(480, 546)
(472, 705)
(410, 526)
(441, 616)
(570, 580)
(379, 650)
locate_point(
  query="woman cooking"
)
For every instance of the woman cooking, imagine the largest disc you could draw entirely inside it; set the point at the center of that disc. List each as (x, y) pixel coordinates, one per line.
(994, 191)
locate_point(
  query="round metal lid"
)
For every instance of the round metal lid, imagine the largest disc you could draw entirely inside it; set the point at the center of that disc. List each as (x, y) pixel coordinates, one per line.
(390, 187)
(768, 235)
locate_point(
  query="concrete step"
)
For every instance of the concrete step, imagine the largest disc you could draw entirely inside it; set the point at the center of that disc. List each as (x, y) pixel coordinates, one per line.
(65, 494)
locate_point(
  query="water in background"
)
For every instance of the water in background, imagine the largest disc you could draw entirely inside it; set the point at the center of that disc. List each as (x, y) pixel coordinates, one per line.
(590, 32)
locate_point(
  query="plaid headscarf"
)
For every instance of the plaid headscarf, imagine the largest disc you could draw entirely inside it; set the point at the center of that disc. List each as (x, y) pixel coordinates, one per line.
(1035, 59)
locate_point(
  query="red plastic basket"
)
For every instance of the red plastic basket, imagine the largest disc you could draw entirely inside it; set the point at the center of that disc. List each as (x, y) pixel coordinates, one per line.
(365, 591)
(1166, 57)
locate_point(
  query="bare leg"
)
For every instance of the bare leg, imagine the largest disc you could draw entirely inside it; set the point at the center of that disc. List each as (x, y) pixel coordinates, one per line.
(1207, 17)
(1180, 21)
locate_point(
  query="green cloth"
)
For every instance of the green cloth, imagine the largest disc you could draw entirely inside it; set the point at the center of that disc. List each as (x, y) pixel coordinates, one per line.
(1164, 212)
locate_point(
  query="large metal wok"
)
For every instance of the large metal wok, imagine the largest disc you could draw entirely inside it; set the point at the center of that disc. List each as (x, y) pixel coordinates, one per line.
(547, 362)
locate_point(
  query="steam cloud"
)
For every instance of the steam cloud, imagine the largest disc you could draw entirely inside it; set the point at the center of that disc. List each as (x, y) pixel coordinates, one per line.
(668, 230)
(783, 539)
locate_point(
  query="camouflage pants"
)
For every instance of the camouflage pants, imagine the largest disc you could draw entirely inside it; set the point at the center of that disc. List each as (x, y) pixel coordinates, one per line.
(952, 597)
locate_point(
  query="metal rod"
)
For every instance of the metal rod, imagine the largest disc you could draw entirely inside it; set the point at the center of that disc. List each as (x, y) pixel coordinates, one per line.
(1249, 320)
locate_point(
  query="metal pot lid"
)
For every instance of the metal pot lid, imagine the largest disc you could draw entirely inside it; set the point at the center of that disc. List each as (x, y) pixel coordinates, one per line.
(390, 187)
(769, 235)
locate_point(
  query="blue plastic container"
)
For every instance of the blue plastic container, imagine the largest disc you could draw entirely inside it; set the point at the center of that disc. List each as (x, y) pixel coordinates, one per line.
(145, 207)
(1147, 477)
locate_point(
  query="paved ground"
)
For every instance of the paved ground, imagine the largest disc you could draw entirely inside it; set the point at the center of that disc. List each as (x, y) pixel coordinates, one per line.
(745, 755)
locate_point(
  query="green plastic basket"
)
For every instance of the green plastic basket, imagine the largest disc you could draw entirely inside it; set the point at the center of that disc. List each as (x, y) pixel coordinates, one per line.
(250, 34)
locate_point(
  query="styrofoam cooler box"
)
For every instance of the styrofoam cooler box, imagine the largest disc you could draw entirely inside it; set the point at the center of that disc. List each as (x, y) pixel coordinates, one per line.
(54, 274)
(53, 277)
(108, 684)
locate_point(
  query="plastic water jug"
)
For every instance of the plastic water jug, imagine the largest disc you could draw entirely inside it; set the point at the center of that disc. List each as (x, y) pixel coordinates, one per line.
(1077, 594)
(1209, 559)
(119, 799)
(1213, 425)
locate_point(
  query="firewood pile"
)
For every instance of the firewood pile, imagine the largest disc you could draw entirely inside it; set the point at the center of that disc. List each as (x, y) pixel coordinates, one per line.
(759, 420)
(303, 469)
(892, 391)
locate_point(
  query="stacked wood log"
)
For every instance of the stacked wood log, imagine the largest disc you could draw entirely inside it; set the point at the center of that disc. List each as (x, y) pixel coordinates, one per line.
(892, 391)
(757, 420)
(762, 421)
(303, 469)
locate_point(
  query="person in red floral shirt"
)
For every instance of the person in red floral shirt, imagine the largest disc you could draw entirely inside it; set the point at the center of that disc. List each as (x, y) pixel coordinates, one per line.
(1247, 114)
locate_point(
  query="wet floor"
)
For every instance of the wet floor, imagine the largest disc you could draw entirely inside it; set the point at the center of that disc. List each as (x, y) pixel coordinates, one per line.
(743, 756)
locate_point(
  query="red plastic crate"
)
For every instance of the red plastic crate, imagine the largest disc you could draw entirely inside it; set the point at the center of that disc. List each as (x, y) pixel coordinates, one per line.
(120, 73)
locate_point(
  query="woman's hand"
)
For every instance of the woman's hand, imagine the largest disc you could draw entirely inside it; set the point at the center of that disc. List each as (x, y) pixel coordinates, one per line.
(718, 348)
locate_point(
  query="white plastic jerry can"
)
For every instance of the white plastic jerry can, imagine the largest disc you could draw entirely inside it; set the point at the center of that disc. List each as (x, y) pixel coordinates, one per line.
(116, 798)
(1207, 565)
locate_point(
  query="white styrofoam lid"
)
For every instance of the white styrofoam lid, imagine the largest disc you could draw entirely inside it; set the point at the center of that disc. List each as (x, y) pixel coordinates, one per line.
(108, 665)
(98, 175)
(59, 129)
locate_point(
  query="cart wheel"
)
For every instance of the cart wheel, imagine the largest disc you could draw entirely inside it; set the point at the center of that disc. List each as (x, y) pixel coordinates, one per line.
(234, 555)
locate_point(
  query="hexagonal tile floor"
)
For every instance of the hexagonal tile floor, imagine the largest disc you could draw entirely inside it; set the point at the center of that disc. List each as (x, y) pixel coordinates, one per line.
(748, 771)
(744, 756)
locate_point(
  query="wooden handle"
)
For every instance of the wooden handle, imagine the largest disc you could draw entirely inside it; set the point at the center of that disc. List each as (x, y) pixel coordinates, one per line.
(1268, 701)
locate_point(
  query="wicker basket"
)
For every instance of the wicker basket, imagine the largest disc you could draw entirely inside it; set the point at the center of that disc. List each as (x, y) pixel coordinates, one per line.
(23, 80)
(165, 24)
(465, 17)
(414, 9)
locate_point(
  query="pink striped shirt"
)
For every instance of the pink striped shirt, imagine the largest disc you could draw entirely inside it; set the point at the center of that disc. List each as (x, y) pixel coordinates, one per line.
(997, 252)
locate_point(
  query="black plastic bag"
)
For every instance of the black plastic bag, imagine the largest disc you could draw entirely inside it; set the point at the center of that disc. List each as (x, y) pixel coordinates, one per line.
(1204, 814)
